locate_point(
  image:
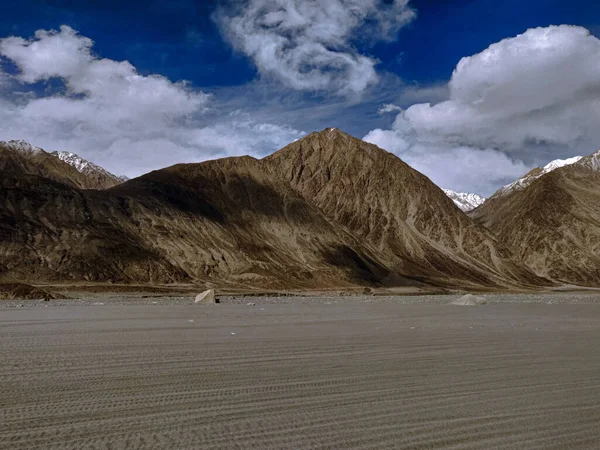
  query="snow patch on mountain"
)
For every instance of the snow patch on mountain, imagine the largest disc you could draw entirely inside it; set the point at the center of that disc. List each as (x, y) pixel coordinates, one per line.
(560, 163)
(464, 200)
(84, 166)
(530, 177)
(21, 146)
(592, 161)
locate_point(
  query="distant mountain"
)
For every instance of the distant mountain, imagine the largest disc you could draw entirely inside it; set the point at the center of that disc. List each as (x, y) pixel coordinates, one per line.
(591, 162)
(465, 201)
(552, 224)
(102, 178)
(326, 211)
(534, 174)
(22, 147)
(64, 167)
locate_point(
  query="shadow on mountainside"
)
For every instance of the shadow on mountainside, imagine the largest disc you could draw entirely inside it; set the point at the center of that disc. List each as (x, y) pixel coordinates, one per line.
(361, 269)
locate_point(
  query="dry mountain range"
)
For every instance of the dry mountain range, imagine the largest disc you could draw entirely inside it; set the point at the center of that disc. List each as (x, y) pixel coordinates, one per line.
(550, 220)
(328, 210)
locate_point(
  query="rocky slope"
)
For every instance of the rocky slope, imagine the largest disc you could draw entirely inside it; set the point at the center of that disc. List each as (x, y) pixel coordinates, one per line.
(382, 201)
(553, 224)
(328, 210)
(464, 200)
(64, 167)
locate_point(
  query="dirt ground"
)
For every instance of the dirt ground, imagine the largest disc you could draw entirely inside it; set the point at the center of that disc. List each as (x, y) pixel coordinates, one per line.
(521, 372)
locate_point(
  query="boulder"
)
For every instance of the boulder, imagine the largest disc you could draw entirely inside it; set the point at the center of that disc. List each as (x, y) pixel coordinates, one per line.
(206, 298)
(469, 300)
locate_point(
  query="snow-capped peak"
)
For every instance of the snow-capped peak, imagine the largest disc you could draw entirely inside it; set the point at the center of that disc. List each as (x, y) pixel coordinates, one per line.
(464, 200)
(77, 161)
(21, 146)
(553, 165)
(592, 161)
(83, 165)
(530, 177)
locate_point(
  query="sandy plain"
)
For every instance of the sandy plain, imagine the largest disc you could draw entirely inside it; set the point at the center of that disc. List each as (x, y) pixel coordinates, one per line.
(522, 372)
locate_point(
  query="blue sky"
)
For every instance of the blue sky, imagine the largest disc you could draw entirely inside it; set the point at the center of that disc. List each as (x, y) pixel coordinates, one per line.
(400, 62)
(180, 40)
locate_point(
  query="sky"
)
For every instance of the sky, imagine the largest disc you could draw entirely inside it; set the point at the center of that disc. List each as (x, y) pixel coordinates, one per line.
(472, 93)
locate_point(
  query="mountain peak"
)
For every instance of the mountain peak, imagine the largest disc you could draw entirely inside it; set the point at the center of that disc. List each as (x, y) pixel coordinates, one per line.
(331, 133)
(82, 165)
(530, 177)
(21, 146)
(464, 200)
(393, 208)
(330, 150)
(63, 166)
(103, 177)
(591, 161)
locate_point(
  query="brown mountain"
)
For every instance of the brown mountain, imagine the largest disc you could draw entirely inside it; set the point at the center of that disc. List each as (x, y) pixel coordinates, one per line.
(221, 220)
(328, 210)
(553, 224)
(381, 200)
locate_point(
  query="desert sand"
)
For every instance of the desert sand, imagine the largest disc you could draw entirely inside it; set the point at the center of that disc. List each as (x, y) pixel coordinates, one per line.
(343, 373)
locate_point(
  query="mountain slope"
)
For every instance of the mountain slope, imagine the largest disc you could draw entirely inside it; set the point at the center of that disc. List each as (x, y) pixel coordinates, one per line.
(464, 200)
(400, 212)
(553, 225)
(63, 167)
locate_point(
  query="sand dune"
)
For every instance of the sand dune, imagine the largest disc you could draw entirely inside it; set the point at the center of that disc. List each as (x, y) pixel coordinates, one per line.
(310, 376)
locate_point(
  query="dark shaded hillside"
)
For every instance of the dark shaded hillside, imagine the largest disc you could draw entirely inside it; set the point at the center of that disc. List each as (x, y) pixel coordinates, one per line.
(224, 219)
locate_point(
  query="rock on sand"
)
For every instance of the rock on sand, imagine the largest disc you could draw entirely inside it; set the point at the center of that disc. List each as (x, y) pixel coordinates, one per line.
(469, 300)
(206, 298)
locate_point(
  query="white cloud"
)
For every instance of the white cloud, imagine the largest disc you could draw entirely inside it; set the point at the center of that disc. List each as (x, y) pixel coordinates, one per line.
(67, 55)
(388, 108)
(530, 98)
(112, 115)
(308, 45)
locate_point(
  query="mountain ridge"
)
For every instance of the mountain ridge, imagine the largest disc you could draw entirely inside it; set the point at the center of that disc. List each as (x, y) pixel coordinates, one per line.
(534, 174)
(552, 224)
(66, 167)
(254, 222)
(89, 168)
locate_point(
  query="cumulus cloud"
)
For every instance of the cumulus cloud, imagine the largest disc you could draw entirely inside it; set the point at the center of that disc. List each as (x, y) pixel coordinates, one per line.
(519, 103)
(109, 113)
(308, 45)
